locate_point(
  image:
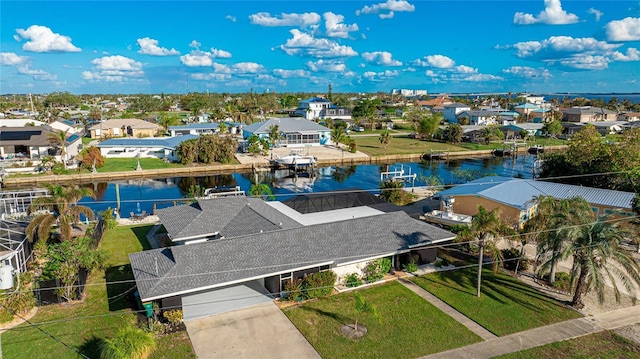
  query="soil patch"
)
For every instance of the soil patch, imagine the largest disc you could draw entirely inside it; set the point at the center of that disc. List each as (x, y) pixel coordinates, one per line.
(350, 331)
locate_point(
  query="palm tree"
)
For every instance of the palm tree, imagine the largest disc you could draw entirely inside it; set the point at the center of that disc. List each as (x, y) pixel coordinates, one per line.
(274, 135)
(485, 227)
(545, 228)
(385, 138)
(597, 257)
(61, 208)
(338, 135)
(59, 138)
(363, 306)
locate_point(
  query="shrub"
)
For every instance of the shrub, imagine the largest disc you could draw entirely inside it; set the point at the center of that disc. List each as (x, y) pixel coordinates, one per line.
(319, 284)
(294, 290)
(20, 301)
(438, 263)
(512, 258)
(353, 280)
(352, 146)
(174, 317)
(410, 267)
(128, 343)
(109, 221)
(563, 281)
(377, 268)
(445, 262)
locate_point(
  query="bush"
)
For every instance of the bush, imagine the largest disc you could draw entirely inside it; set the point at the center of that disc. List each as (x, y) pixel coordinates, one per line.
(294, 290)
(512, 258)
(353, 280)
(563, 281)
(174, 317)
(128, 343)
(412, 266)
(319, 284)
(377, 268)
(20, 301)
(109, 221)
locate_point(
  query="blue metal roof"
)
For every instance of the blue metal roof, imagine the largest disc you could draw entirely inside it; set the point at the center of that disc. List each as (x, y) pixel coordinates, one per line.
(196, 126)
(73, 138)
(167, 142)
(519, 193)
(315, 99)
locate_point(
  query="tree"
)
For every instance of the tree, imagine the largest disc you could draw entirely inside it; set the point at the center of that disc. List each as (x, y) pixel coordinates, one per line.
(485, 227)
(545, 227)
(597, 257)
(552, 128)
(428, 125)
(261, 190)
(635, 205)
(274, 135)
(128, 343)
(223, 128)
(168, 119)
(91, 156)
(492, 133)
(338, 135)
(385, 138)
(95, 113)
(61, 209)
(362, 306)
(59, 139)
(453, 133)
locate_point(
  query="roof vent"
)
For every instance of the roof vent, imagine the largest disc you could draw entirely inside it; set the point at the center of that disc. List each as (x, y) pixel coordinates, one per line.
(261, 231)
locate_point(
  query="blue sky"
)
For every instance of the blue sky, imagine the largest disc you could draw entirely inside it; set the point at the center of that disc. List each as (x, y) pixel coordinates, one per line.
(289, 46)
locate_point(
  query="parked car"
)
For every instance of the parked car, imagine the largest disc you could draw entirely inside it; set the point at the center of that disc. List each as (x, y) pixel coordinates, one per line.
(359, 129)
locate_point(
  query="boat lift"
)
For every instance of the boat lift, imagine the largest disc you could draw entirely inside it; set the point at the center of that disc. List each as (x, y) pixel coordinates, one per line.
(398, 175)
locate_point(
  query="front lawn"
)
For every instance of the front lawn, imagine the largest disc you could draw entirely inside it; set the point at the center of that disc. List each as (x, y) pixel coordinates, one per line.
(409, 327)
(130, 164)
(105, 309)
(401, 145)
(603, 345)
(506, 305)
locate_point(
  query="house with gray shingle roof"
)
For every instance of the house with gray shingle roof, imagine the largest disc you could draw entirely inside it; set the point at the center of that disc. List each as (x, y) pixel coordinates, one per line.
(295, 131)
(516, 197)
(243, 248)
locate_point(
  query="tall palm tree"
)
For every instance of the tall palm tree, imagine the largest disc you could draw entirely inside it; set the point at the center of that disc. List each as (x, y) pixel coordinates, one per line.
(385, 138)
(597, 257)
(485, 227)
(338, 135)
(545, 228)
(61, 208)
(59, 138)
(274, 135)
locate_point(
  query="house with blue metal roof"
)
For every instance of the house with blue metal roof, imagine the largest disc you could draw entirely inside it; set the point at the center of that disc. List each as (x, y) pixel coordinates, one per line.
(295, 131)
(149, 147)
(515, 197)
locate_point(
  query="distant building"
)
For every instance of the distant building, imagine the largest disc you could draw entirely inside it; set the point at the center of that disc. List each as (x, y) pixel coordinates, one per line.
(629, 116)
(452, 110)
(296, 132)
(408, 92)
(320, 108)
(194, 129)
(588, 114)
(128, 127)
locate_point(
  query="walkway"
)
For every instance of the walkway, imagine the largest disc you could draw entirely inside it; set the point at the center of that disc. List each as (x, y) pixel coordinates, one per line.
(544, 335)
(447, 309)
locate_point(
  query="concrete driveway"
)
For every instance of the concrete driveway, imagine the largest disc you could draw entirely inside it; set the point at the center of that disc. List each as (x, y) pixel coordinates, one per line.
(261, 331)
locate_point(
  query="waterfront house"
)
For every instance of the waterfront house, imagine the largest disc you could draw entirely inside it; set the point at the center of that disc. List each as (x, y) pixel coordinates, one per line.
(150, 147)
(488, 117)
(295, 132)
(124, 127)
(629, 116)
(515, 197)
(250, 252)
(588, 114)
(194, 129)
(525, 109)
(320, 108)
(33, 142)
(452, 110)
(533, 129)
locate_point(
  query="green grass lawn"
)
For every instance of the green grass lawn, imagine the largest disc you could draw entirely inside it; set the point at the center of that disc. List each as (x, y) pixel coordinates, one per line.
(410, 327)
(82, 324)
(603, 345)
(86, 140)
(506, 305)
(401, 145)
(129, 164)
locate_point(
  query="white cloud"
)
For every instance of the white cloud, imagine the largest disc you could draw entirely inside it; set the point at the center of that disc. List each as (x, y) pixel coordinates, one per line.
(381, 58)
(113, 69)
(221, 54)
(299, 20)
(231, 18)
(632, 55)
(211, 76)
(42, 39)
(561, 44)
(195, 44)
(597, 62)
(482, 78)
(553, 14)
(199, 58)
(38, 75)
(326, 66)
(597, 13)
(528, 72)
(386, 9)
(306, 45)
(285, 74)
(438, 61)
(11, 59)
(335, 26)
(149, 46)
(380, 76)
(627, 29)
(464, 69)
(239, 68)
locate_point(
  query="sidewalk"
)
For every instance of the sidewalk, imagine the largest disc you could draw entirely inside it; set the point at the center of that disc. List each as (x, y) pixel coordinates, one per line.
(544, 335)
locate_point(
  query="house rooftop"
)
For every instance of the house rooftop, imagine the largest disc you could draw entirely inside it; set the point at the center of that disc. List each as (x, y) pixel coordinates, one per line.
(127, 122)
(287, 125)
(165, 142)
(196, 126)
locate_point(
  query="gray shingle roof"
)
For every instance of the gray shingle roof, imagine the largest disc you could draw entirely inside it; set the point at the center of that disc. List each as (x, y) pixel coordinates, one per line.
(518, 193)
(230, 217)
(225, 261)
(286, 125)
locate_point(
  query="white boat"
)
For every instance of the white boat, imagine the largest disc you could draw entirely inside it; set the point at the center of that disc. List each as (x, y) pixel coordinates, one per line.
(447, 218)
(294, 159)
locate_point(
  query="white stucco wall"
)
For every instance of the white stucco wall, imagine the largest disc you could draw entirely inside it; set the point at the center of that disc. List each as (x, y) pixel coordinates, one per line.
(343, 271)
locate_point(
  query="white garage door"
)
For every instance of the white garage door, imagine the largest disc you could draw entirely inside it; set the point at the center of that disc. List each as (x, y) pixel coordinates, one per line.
(224, 299)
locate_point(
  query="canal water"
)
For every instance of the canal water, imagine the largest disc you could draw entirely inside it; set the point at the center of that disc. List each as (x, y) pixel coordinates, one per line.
(137, 195)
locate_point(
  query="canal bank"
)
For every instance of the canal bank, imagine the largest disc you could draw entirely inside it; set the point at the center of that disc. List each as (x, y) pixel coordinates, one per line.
(328, 156)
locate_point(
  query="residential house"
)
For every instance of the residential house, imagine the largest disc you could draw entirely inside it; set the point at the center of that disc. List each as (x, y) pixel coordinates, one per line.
(22, 122)
(534, 100)
(194, 129)
(295, 132)
(452, 110)
(438, 101)
(525, 109)
(488, 117)
(588, 114)
(148, 147)
(34, 141)
(625, 116)
(515, 198)
(320, 108)
(533, 129)
(63, 125)
(250, 252)
(127, 127)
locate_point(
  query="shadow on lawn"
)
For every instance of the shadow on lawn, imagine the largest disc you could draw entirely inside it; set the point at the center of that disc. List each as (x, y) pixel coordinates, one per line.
(141, 234)
(91, 348)
(338, 317)
(120, 287)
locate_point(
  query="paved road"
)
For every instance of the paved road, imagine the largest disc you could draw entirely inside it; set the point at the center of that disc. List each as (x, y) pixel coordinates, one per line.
(544, 335)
